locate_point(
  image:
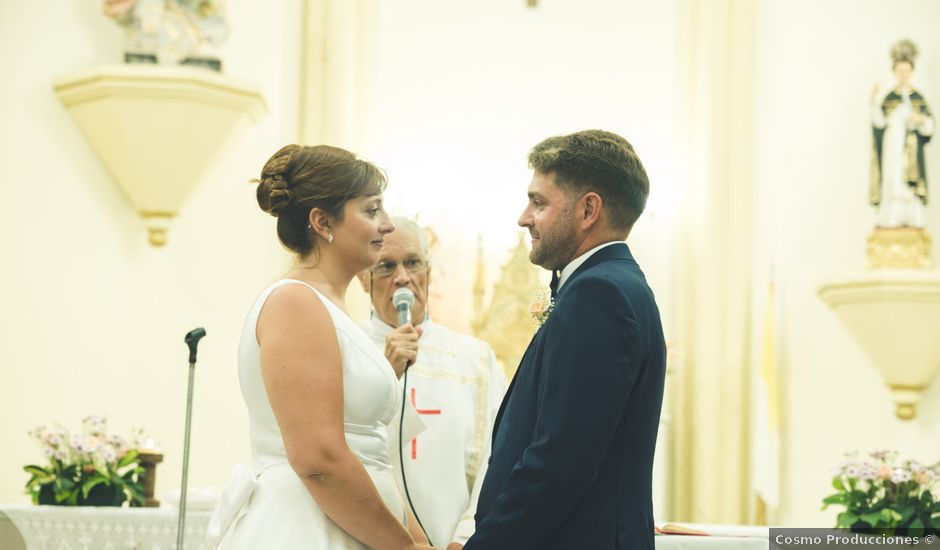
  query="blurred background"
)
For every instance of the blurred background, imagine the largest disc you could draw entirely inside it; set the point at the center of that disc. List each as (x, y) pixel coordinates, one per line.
(751, 116)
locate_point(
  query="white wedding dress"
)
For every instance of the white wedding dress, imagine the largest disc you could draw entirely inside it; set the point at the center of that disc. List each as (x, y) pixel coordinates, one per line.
(267, 506)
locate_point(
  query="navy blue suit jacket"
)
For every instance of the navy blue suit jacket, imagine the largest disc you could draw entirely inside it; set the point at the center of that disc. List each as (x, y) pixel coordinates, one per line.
(574, 438)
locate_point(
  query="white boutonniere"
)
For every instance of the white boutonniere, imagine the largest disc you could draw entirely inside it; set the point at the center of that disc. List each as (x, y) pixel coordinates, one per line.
(542, 306)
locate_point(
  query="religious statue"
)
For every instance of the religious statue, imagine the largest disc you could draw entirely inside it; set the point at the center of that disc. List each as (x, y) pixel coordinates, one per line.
(902, 125)
(170, 31)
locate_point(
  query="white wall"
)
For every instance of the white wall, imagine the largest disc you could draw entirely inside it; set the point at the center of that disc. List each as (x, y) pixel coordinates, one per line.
(464, 90)
(817, 62)
(93, 317)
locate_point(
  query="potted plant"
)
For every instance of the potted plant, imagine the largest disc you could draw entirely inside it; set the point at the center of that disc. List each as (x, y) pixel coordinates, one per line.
(91, 469)
(881, 494)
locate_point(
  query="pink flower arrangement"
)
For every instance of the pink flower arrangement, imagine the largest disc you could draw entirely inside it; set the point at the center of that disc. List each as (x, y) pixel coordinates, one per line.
(880, 492)
(84, 465)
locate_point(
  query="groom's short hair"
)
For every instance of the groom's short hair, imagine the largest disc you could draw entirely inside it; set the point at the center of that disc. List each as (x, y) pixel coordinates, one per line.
(598, 161)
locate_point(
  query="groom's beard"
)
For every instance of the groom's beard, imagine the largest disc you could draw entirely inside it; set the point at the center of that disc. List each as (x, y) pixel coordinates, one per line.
(557, 243)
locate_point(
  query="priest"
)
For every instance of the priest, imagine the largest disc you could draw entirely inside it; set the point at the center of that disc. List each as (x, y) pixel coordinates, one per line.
(453, 381)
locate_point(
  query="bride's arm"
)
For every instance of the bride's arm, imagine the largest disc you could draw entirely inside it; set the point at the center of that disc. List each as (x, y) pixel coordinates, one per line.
(414, 528)
(303, 376)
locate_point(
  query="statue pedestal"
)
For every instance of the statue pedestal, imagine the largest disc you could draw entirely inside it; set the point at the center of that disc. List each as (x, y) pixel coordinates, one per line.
(157, 129)
(894, 315)
(899, 247)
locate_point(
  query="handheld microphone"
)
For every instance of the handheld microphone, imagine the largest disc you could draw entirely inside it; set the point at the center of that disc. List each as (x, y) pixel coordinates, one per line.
(403, 299)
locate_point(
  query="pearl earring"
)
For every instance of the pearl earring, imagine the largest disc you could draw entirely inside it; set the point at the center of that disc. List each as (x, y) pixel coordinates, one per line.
(329, 238)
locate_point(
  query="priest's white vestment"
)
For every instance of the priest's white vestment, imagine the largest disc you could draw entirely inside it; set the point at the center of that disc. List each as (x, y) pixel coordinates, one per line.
(456, 385)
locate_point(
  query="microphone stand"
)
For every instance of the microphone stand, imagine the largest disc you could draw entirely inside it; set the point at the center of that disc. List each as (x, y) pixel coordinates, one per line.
(192, 340)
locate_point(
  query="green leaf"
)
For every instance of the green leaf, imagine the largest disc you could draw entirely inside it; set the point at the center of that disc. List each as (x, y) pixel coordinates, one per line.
(91, 484)
(846, 519)
(837, 483)
(904, 513)
(893, 517)
(872, 518)
(934, 523)
(134, 492)
(129, 458)
(840, 498)
(36, 470)
(37, 480)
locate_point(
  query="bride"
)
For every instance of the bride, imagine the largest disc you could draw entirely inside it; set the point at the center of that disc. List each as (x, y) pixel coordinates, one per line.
(319, 394)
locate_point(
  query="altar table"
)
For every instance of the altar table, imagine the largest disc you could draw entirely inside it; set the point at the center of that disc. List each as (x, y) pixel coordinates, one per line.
(27, 527)
(721, 537)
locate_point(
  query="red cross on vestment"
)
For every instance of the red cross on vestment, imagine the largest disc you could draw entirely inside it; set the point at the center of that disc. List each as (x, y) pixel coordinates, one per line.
(414, 442)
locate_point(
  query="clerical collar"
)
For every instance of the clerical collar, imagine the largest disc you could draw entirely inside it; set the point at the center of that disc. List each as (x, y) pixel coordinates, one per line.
(576, 263)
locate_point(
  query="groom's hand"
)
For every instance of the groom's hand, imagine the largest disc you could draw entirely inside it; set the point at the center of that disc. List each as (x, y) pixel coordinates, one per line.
(401, 347)
(454, 546)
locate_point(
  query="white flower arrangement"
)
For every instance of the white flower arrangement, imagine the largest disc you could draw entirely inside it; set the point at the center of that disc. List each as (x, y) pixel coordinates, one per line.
(88, 468)
(878, 492)
(541, 306)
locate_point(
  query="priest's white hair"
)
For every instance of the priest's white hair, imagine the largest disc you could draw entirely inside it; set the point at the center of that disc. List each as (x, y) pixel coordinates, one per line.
(402, 223)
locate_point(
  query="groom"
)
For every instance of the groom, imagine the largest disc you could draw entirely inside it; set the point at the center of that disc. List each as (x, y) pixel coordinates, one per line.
(573, 442)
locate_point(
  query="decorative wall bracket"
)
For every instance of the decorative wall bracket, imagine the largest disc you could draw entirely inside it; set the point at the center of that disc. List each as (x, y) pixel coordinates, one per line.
(157, 129)
(894, 316)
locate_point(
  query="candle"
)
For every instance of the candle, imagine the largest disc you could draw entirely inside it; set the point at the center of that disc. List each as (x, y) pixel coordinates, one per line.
(150, 456)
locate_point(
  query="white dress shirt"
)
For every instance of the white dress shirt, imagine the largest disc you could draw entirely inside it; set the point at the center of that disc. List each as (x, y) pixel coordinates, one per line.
(576, 263)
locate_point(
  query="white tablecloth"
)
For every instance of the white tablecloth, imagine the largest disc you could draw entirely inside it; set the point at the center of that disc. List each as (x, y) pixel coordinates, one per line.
(27, 527)
(721, 537)
(682, 542)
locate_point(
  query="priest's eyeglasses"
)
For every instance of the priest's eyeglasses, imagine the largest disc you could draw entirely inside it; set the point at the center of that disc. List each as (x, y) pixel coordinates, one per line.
(386, 268)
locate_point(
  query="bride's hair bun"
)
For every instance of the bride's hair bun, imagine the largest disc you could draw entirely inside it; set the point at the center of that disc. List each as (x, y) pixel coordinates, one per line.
(274, 190)
(274, 194)
(297, 179)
